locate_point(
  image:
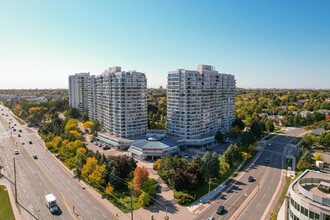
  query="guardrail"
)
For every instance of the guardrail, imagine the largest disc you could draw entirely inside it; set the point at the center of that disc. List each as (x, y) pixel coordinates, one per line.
(310, 195)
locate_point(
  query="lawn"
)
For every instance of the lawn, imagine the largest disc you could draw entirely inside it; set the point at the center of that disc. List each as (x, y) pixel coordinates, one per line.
(122, 200)
(19, 120)
(296, 141)
(6, 211)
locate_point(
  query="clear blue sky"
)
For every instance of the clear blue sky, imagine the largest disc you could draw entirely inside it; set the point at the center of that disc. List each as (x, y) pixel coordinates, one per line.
(265, 44)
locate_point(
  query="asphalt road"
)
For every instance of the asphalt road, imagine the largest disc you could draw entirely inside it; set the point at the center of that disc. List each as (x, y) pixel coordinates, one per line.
(38, 177)
(266, 180)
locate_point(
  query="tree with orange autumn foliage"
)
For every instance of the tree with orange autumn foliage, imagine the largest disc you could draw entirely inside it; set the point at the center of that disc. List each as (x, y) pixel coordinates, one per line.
(141, 175)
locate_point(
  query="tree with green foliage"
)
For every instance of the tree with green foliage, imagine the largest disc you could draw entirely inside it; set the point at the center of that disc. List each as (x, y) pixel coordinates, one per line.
(256, 129)
(215, 165)
(166, 169)
(198, 160)
(219, 137)
(270, 125)
(248, 138)
(144, 199)
(85, 117)
(73, 113)
(207, 165)
(96, 127)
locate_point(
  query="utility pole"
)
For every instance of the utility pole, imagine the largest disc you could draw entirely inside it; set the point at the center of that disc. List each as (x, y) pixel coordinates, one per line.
(15, 181)
(131, 204)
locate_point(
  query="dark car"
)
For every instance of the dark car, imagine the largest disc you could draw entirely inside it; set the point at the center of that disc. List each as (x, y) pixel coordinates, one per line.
(30, 142)
(106, 148)
(267, 160)
(14, 129)
(35, 157)
(18, 135)
(220, 209)
(20, 130)
(250, 179)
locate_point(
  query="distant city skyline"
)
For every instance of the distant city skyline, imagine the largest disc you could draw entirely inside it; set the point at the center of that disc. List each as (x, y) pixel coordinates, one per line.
(265, 44)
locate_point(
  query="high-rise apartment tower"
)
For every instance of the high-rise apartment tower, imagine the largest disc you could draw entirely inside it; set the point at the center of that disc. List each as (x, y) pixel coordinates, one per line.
(199, 103)
(78, 91)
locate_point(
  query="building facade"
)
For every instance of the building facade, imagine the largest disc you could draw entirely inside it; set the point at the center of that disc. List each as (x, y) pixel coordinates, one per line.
(308, 197)
(199, 103)
(78, 91)
(118, 99)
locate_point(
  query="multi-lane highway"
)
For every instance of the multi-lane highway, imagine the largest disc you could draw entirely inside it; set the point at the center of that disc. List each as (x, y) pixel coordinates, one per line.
(253, 200)
(38, 177)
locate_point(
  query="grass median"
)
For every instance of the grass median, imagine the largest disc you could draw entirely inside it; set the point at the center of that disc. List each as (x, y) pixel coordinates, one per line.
(6, 211)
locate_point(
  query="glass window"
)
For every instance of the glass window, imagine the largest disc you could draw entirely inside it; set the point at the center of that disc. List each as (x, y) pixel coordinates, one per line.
(327, 217)
(311, 214)
(302, 210)
(317, 216)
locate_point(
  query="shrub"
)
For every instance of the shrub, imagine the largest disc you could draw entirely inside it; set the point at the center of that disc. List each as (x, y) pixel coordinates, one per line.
(183, 197)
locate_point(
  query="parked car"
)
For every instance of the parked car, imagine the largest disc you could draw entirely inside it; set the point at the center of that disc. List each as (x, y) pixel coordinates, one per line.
(30, 142)
(16, 152)
(100, 145)
(220, 209)
(35, 157)
(96, 143)
(19, 135)
(123, 155)
(185, 156)
(106, 148)
(14, 129)
(20, 130)
(250, 179)
(23, 143)
(267, 160)
(14, 124)
(211, 218)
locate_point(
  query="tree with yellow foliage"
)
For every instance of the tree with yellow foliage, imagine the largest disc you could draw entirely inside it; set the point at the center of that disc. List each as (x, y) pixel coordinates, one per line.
(109, 189)
(97, 178)
(76, 134)
(156, 165)
(246, 155)
(34, 109)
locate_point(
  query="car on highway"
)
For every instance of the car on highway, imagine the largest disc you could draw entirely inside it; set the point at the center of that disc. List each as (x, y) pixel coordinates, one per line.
(220, 209)
(35, 157)
(16, 151)
(30, 142)
(267, 160)
(250, 179)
